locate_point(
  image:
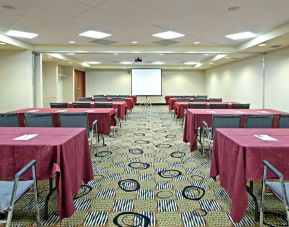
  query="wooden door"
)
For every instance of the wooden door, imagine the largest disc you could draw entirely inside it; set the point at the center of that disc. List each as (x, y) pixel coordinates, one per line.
(79, 84)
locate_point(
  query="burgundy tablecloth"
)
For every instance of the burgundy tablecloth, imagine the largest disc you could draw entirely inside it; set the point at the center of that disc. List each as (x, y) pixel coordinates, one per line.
(121, 106)
(168, 97)
(105, 116)
(237, 157)
(58, 151)
(180, 106)
(195, 118)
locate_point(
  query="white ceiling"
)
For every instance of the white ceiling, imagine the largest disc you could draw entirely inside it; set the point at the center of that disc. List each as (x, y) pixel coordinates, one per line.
(206, 21)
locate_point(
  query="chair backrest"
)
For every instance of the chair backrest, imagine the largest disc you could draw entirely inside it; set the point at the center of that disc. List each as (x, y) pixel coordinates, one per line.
(81, 105)
(284, 121)
(202, 96)
(9, 120)
(197, 105)
(218, 105)
(215, 99)
(117, 99)
(199, 99)
(240, 106)
(183, 99)
(58, 105)
(38, 120)
(225, 121)
(259, 121)
(100, 99)
(73, 120)
(85, 98)
(103, 105)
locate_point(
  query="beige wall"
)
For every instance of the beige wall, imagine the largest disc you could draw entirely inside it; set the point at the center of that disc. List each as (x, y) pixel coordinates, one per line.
(16, 76)
(240, 81)
(50, 83)
(119, 82)
(243, 81)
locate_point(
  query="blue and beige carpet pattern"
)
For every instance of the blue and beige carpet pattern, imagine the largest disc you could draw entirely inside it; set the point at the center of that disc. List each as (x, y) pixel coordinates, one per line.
(147, 176)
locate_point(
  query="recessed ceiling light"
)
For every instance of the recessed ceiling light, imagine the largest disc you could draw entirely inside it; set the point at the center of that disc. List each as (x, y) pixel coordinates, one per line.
(262, 44)
(2, 43)
(95, 34)
(190, 63)
(71, 42)
(134, 42)
(211, 63)
(242, 35)
(93, 62)
(70, 62)
(84, 64)
(196, 42)
(20, 34)
(168, 35)
(125, 62)
(227, 57)
(158, 63)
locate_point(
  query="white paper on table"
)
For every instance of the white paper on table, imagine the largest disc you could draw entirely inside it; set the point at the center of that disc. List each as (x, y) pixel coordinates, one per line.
(263, 111)
(26, 137)
(60, 111)
(31, 111)
(211, 111)
(89, 111)
(265, 137)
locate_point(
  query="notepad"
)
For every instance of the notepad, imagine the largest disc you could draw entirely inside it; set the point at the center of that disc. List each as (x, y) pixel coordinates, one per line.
(211, 111)
(31, 111)
(265, 137)
(263, 111)
(89, 111)
(26, 137)
(60, 111)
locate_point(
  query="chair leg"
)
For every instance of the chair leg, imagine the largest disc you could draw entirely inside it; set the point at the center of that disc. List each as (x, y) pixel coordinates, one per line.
(36, 204)
(9, 216)
(262, 205)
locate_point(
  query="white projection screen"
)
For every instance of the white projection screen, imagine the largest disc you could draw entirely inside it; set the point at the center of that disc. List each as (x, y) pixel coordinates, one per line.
(146, 82)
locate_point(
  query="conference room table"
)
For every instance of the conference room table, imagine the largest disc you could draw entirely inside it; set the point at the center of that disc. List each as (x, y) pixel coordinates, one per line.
(237, 157)
(195, 117)
(179, 107)
(62, 153)
(105, 116)
(121, 106)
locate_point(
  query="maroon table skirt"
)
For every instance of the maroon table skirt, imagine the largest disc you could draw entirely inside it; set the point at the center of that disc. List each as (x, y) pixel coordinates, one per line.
(60, 152)
(195, 118)
(105, 116)
(237, 157)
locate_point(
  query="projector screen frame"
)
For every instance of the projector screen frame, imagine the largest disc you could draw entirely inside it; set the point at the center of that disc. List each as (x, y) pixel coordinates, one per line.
(146, 95)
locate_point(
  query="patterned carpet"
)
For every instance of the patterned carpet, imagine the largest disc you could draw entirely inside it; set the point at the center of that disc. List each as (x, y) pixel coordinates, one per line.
(147, 175)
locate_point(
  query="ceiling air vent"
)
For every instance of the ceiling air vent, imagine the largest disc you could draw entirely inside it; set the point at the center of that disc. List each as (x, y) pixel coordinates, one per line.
(102, 41)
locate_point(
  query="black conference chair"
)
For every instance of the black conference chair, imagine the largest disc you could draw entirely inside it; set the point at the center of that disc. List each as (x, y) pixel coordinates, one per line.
(100, 99)
(12, 191)
(9, 120)
(240, 106)
(85, 99)
(280, 189)
(218, 105)
(78, 120)
(81, 105)
(284, 121)
(197, 99)
(220, 121)
(38, 120)
(103, 105)
(202, 96)
(58, 105)
(197, 105)
(259, 121)
(215, 99)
